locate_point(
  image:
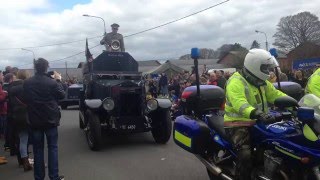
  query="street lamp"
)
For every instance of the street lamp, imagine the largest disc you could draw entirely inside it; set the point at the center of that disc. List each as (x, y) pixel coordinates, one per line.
(34, 57)
(265, 36)
(104, 23)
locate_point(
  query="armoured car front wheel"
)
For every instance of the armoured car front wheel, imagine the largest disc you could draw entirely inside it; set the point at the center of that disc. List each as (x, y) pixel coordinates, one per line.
(162, 126)
(93, 131)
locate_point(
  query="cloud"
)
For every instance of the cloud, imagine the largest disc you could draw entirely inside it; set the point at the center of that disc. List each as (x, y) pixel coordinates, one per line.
(34, 22)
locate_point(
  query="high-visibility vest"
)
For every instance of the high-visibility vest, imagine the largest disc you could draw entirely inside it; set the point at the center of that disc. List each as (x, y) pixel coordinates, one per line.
(242, 98)
(313, 86)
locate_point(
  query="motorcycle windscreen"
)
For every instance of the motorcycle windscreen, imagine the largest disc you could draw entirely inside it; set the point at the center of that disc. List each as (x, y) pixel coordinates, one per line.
(311, 132)
(311, 129)
(115, 61)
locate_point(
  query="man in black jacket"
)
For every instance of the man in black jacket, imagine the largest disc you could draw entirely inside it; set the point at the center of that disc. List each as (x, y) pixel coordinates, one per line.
(42, 94)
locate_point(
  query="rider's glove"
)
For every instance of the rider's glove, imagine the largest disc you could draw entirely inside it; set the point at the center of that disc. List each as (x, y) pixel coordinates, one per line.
(262, 117)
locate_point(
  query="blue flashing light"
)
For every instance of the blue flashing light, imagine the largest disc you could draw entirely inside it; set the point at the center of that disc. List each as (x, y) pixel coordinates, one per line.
(195, 53)
(305, 114)
(273, 52)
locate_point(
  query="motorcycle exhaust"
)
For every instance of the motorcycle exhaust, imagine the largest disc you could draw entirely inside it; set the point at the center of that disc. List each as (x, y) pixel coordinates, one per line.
(213, 168)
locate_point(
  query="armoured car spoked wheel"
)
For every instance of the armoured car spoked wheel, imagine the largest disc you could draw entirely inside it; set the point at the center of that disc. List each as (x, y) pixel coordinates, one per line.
(162, 126)
(93, 132)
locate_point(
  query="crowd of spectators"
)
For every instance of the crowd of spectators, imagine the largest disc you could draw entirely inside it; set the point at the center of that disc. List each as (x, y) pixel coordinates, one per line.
(28, 112)
(160, 84)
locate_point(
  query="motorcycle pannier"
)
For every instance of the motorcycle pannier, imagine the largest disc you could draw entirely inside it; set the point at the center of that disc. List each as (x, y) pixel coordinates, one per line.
(292, 89)
(211, 97)
(192, 135)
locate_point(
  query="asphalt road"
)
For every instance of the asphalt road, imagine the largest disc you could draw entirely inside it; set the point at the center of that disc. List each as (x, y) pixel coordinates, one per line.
(126, 157)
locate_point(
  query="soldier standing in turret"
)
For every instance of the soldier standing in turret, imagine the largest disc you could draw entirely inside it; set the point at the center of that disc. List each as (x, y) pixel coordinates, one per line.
(112, 36)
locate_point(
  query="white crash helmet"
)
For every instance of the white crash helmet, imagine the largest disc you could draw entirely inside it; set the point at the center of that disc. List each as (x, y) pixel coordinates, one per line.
(258, 62)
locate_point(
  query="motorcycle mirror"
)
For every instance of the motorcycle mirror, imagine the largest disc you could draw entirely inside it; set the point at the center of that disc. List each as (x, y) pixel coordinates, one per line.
(285, 102)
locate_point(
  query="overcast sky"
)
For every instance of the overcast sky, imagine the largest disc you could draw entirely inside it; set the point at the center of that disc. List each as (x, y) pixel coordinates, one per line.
(30, 23)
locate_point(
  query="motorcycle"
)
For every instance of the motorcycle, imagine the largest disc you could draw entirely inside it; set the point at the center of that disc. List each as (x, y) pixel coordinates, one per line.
(287, 149)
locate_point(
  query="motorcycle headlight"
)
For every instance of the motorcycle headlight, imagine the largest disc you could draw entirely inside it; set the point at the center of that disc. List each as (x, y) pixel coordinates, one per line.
(108, 104)
(152, 104)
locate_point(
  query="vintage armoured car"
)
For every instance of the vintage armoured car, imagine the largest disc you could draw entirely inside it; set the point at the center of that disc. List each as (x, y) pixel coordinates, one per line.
(113, 100)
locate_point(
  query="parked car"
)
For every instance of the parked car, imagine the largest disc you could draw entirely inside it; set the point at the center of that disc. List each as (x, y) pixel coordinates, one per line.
(72, 96)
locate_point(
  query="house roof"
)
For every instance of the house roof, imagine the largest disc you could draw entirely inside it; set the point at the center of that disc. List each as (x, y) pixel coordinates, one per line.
(239, 54)
(282, 54)
(149, 63)
(302, 45)
(166, 66)
(188, 64)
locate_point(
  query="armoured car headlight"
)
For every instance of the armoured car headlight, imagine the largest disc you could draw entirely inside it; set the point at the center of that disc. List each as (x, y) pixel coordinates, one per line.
(108, 104)
(152, 104)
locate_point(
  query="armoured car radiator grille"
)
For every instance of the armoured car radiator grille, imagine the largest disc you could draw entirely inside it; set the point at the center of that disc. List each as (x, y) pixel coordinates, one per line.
(130, 104)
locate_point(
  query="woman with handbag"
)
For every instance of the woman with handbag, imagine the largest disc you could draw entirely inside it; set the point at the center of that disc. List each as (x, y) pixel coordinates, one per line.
(20, 117)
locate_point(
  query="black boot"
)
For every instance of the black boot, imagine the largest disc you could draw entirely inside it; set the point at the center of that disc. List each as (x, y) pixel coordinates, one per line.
(26, 165)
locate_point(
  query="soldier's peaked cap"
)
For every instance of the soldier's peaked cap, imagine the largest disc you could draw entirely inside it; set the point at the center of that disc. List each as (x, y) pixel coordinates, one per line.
(115, 25)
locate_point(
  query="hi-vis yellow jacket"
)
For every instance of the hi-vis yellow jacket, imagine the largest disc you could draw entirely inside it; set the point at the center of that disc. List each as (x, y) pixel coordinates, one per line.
(242, 98)
(313, 86)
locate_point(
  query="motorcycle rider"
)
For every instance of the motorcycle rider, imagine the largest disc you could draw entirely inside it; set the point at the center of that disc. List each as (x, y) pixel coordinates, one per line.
(313, 86)
(247, 96)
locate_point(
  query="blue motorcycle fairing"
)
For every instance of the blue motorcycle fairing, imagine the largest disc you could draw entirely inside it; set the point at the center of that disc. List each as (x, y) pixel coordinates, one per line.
(293, 153)
(222, 142)
(289, 143)
(283, 128)
(216, 137)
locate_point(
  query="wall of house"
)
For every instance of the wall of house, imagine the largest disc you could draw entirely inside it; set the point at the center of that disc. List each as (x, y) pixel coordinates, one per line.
(304, 51)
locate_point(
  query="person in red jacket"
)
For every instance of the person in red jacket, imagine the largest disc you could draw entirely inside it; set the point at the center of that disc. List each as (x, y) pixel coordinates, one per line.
(9, 129)
(213, 79)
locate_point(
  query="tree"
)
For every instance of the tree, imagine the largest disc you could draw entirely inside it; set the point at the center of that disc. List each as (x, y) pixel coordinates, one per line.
(255, 44)
(294, 30)
(238, 47)
(226, 48)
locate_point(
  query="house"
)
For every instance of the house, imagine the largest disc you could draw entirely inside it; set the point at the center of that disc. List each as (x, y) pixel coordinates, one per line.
(202, 63)
(283, 61)
(233, 59)
(145, 66)
(305, 56)
(71, 73)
